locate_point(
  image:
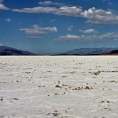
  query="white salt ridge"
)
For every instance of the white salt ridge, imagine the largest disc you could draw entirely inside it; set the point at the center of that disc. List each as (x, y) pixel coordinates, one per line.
(60, 87)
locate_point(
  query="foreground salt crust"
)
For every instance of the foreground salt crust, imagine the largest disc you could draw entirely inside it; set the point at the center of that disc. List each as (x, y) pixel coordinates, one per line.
(61, 87)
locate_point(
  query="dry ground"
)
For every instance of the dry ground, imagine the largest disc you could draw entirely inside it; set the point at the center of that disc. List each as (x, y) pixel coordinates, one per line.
(60, 87)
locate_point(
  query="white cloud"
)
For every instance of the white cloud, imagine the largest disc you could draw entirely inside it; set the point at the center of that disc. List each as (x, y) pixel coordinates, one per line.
(110, 36)
(77, 38)
(36, 37)
(83, 38)
(69, 36)
(69, 11)
(47, 3)
(8, 20)
(32, 31)
(39, 30)
(2, 7)
(88, 31)
(70, 28)
(99, 16)
(64, 10)
(1, 1)
(1, 44)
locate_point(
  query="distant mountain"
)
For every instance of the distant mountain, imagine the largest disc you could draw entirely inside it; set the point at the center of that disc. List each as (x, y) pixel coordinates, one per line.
(4, 50)
(114, 52)
(89, 51)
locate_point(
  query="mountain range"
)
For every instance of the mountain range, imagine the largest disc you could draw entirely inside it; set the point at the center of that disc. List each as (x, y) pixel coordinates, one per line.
(91, 51)
(4, 50)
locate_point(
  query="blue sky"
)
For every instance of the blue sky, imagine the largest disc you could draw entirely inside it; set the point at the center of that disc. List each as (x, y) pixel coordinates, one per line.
(57, 26)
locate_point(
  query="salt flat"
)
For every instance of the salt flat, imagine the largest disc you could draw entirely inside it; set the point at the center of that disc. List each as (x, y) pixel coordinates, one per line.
(60, 87)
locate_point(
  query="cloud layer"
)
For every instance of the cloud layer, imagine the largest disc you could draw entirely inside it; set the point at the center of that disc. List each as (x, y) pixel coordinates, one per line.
(88, 31)
(36, 29)
(64, 10)
(2, 6)
(93, 15)
(8, 20)
(99, 16)
(84, 38)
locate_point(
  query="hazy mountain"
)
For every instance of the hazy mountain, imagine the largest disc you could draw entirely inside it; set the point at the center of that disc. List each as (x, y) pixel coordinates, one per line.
(4, 50)
(89, 51)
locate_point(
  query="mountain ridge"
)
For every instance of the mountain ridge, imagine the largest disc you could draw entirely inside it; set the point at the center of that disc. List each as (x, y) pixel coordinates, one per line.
(5, 50)
(89, 51)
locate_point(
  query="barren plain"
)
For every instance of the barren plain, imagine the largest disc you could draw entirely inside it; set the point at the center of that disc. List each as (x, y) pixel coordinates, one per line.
(59, 86)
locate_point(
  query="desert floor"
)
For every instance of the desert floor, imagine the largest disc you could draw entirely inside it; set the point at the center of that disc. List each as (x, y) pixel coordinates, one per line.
(59, 86)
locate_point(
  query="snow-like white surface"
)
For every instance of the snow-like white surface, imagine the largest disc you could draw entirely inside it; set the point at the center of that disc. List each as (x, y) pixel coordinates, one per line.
(60, 87)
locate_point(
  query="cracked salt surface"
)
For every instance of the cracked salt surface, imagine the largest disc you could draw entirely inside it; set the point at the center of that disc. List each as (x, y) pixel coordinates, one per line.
(60, 87)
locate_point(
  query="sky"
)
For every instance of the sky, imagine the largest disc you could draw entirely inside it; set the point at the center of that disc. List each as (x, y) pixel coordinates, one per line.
(56, 26)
